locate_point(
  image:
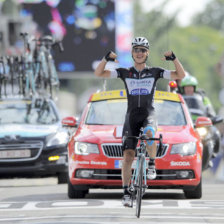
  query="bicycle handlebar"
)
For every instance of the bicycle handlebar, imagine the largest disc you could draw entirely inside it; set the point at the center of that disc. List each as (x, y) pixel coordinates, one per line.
(61, 48)
(49, 42)
(24, 34)
(144, 137)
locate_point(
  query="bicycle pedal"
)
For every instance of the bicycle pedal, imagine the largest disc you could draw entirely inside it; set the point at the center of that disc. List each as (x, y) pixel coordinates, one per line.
(133, 197)
(132, 189)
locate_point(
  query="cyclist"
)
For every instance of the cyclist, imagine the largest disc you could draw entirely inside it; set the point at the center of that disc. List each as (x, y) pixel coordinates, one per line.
(140, 83)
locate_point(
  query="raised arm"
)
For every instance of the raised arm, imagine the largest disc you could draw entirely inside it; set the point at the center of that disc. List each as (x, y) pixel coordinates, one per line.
(179, 73)
(100, 69)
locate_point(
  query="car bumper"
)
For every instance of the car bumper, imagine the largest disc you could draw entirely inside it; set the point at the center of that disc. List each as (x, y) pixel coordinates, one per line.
(49, 163)
(107, 173)
(109, 184)
(34, 170)
(162, 181)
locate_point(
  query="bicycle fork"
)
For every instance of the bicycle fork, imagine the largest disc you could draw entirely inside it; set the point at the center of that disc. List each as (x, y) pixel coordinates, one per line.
(135, 176)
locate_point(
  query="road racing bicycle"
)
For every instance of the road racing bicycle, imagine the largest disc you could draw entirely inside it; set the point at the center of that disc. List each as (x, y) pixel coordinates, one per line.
(138, 184)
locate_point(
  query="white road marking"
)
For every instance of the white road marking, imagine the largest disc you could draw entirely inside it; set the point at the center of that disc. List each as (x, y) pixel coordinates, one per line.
(69, 203)
(184, 204)
(113, 204)
(4, 205)
(120, 216)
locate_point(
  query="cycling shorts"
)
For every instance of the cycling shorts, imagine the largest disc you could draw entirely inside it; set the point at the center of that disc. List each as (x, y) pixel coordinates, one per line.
(134, 121)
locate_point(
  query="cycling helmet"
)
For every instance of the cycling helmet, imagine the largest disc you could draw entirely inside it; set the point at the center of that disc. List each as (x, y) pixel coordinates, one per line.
(189, 81)
(140, 41)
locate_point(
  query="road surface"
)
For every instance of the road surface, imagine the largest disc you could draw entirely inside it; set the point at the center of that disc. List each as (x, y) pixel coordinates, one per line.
(42, 201)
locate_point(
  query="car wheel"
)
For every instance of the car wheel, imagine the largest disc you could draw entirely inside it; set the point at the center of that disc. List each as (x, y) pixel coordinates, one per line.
(194, 194)
(73, 192)
(207, 154)
(62, 178)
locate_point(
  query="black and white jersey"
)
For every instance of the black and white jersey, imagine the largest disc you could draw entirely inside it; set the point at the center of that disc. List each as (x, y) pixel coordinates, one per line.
(140, 86)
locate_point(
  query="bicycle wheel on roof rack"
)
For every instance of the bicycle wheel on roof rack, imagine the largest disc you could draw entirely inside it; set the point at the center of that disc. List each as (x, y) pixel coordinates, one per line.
(21, 77)
(40, 79)
(54, 80)
(2, 76)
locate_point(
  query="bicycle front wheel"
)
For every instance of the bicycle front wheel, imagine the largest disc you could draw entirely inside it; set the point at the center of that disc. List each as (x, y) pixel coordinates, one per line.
(139, 186)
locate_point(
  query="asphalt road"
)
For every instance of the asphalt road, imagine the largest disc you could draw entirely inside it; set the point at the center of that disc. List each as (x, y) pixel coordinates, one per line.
(42, 201)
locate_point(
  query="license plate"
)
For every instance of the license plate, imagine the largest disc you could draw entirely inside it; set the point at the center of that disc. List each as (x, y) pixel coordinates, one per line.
(12, 154)
(118, 164)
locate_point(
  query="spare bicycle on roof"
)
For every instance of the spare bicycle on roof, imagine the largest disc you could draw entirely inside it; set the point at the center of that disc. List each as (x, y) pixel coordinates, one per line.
(33, 73)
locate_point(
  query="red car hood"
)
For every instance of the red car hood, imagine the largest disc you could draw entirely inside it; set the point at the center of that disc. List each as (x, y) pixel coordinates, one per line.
(177, 134)
(105, 133)
(96, 134)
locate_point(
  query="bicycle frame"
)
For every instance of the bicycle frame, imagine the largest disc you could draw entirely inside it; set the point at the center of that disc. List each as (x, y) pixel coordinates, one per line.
(34, 72)
(45, 67)
(28, 67)
(139, 180)
(30, 80)
(141, 151)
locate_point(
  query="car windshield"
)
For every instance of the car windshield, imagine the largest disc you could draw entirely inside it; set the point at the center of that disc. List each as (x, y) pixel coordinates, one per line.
(27, 112)
(195, 104)
(107, 112)
(112, 112)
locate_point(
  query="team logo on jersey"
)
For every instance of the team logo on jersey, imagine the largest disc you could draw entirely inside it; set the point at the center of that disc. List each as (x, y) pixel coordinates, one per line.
(146, 75)
(139, 92)
(140, 86)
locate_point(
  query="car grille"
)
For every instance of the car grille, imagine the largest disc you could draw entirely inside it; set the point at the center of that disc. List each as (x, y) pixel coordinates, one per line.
(115, 150)
(25, 151)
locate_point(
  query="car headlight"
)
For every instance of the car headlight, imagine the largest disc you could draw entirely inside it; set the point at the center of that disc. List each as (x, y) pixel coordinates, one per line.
(185, 149)
(82, 148)
(60, 138)
(202, 131)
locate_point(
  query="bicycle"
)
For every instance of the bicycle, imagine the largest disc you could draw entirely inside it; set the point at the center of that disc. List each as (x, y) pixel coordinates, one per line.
(138, 184)
(25, 71)
(46, 74)
(33, 72)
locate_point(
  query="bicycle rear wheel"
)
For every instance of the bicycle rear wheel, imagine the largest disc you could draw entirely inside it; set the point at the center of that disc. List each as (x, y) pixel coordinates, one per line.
(139, 186)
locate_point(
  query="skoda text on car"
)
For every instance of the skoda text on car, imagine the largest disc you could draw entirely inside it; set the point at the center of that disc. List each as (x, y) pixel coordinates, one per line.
(95, 149)
(33, 141)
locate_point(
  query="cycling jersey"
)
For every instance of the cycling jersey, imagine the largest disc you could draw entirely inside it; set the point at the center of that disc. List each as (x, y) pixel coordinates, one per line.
(140, 86)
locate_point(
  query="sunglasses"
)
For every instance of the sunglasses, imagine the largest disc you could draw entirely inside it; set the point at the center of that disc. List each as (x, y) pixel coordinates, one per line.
(139, 50)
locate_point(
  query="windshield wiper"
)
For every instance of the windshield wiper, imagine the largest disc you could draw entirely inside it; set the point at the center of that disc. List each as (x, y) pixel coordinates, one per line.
(95, 124)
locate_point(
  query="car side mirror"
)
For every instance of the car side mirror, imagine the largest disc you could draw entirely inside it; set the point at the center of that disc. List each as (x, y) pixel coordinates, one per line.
(203, 122)
(69, 122)
(217, 120)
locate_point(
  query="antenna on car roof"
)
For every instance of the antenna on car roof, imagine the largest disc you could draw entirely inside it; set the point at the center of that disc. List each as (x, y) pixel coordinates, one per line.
(167, 38)
(104, 85)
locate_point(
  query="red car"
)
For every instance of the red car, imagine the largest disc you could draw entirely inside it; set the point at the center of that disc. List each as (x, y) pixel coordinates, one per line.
(95, 154)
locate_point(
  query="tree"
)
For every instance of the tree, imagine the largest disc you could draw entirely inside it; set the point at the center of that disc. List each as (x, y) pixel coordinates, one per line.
(198, 47)
(155, 26)
(212, 16)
